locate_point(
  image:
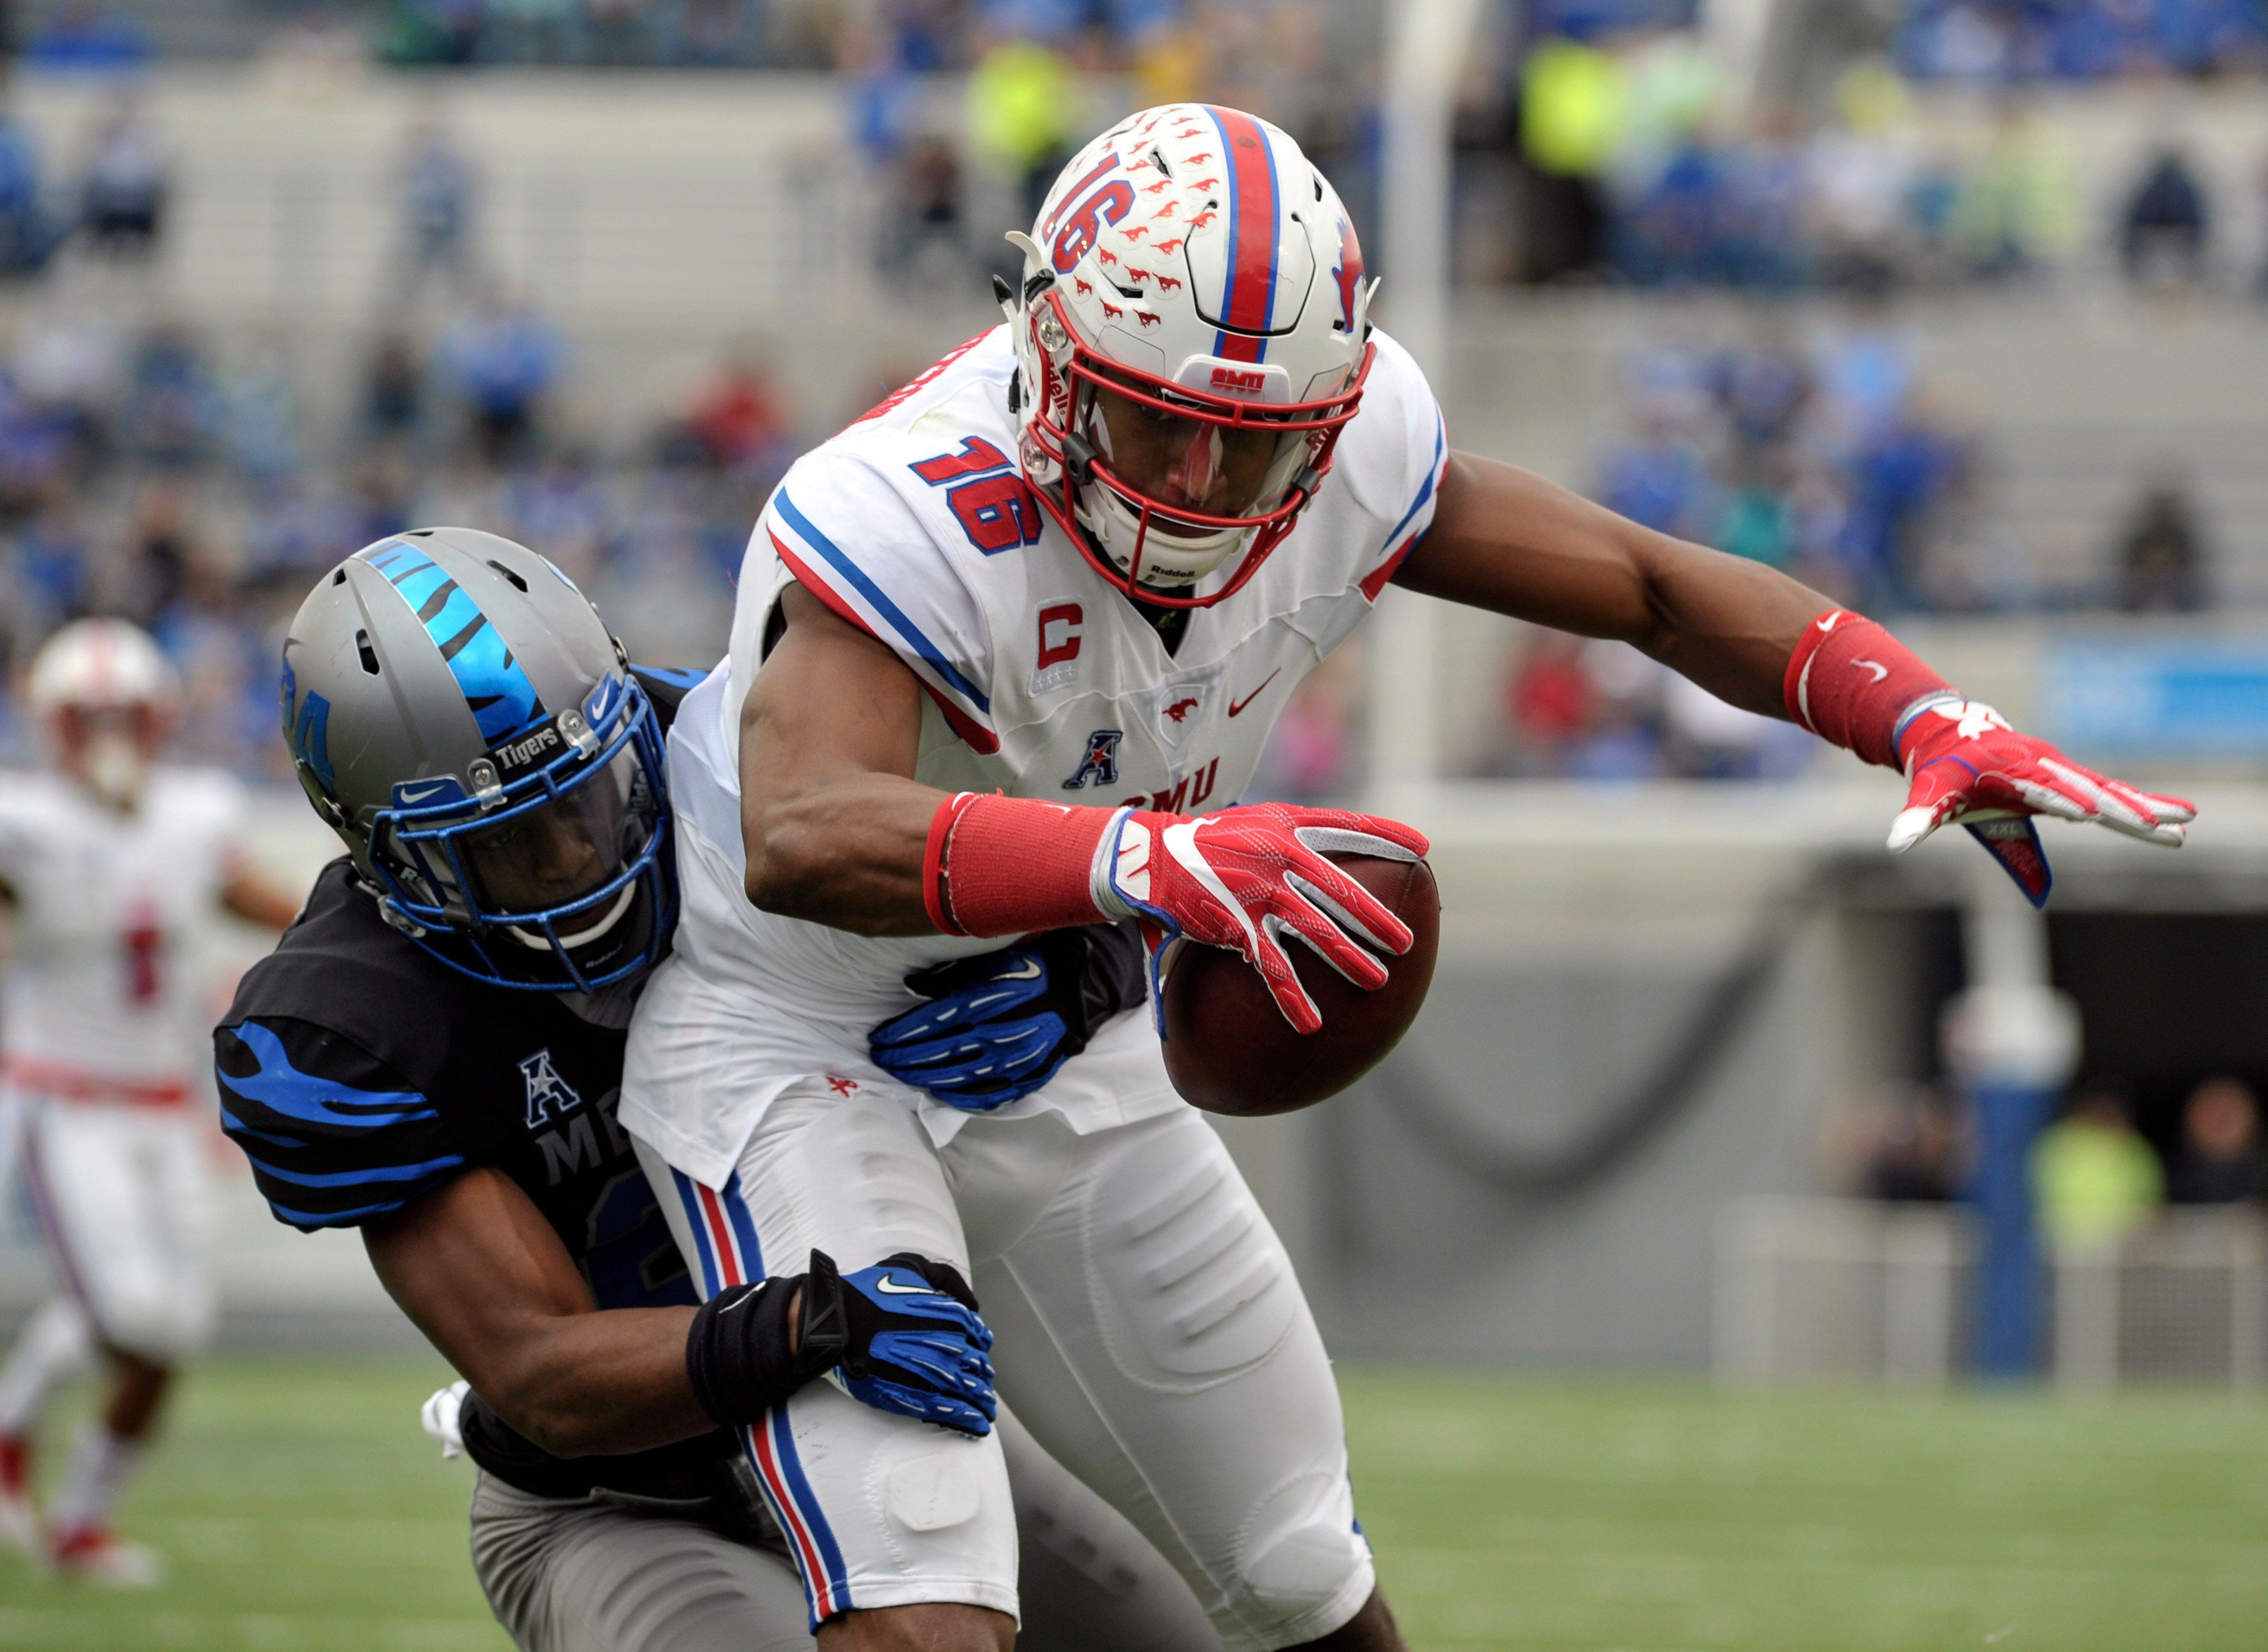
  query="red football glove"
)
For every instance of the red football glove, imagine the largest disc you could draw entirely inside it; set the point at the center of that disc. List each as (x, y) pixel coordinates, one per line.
(1967, 763)
(1850, 681)
(1243, 877)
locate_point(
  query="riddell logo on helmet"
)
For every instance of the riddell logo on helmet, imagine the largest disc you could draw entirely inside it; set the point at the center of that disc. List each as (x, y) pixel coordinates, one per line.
(1247, 384)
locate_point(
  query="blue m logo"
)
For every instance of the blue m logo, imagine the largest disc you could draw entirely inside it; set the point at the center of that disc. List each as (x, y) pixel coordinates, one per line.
(1101, 763)
(546, 1088)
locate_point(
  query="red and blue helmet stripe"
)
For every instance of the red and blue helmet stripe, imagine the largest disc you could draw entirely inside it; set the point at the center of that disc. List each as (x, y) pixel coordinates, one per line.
(1248, 298)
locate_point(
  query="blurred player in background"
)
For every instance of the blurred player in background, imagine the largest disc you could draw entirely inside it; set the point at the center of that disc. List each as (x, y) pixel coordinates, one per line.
(1004, 651)
(109, 862)
(432, 1056)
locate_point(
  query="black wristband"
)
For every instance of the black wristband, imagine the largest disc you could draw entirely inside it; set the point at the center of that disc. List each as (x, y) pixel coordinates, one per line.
(737, 1354)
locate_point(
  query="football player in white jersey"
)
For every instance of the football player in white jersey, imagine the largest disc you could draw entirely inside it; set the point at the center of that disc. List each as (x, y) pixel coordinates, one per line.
(107, 861)
(1005, 650)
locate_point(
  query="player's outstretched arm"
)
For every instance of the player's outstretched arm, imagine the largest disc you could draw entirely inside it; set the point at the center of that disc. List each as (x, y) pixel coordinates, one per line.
(837, 831)
(1509, 541)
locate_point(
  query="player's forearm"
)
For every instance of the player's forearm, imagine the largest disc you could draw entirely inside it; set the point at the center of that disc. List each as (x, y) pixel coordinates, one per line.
(1511, 542)
(844, 852)
(592, 1383)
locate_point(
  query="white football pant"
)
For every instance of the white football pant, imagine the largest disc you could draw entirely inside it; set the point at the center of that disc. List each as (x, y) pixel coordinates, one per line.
(1151, 1335)
(125, 1210)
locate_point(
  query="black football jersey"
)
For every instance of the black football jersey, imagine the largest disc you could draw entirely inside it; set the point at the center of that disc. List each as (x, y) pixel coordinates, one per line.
(356, 1071)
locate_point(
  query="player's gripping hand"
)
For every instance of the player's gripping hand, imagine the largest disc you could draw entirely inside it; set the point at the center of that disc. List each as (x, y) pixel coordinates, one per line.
(1245, 879)
(996, 1027)
(902, 1336)
(906, 1338)
(1967, 766)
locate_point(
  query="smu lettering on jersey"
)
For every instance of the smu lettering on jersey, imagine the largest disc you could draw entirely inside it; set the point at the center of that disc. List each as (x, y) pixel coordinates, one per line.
(1041, 680)
(99, 986)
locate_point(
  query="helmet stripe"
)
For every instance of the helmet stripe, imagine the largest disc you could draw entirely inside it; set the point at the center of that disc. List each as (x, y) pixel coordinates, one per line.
(1247, 299)
(495, 689)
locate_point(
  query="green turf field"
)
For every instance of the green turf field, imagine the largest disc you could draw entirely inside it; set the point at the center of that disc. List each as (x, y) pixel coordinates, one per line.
(305, 1513)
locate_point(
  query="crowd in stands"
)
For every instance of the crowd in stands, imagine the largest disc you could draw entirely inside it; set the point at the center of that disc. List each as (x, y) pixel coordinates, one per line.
(198, 485)
(1997, 41)
(1624, 166)
(926, 36)
(1834, 460)
(2095, 1177)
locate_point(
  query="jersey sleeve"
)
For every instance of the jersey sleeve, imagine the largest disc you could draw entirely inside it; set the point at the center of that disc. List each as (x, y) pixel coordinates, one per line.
(1405, 452)
(844, 534)
(335, 1137)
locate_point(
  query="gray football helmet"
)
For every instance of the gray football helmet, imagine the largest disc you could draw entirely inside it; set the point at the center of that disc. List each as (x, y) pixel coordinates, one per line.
(460, 717)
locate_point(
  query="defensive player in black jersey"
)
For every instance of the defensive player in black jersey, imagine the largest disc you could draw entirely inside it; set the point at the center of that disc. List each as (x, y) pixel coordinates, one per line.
(431, 1055)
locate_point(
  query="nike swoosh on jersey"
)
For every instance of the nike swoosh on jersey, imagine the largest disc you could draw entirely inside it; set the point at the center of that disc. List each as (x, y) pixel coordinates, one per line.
(890, 1286)
(1235, 706)
(1029, 971)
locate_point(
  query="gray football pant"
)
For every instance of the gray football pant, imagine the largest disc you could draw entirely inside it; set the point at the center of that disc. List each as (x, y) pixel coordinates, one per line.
(592, 1575)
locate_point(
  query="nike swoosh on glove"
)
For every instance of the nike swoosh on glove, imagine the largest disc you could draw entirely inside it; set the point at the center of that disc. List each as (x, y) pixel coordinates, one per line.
(1967, 766)
(908, 1340)
(1247, 877)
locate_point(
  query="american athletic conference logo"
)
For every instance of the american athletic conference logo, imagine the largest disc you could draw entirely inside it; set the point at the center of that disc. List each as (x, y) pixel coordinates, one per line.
(1101, 763)
(545, 1089)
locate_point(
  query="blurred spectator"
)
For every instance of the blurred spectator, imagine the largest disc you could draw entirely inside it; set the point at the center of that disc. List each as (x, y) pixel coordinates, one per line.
(2161, 553)
(1914, 1155)
(1574, 103)
(262, 413)
(124, 190)
(502, 363)
(924, 243)
(1023, 108)
(1548, 702)
(173, 405)
(1623, 741)
(393, 387)
(439, 195)
(83, 37)
(2219, 1163)
(2166, 223)
(736, 422)
(160, 543)
(2094, 1178)
(1657, 478)
(29, 233)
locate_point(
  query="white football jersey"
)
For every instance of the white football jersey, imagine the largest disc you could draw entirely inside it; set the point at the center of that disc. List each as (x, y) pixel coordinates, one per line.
(1043, 681)
(98, 997)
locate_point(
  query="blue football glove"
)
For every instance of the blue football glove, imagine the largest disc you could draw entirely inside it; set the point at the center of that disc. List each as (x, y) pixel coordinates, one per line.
(905, 1338)
(996, 1027)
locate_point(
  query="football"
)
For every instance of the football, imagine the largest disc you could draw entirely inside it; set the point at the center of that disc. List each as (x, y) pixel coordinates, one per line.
(1229, 1048)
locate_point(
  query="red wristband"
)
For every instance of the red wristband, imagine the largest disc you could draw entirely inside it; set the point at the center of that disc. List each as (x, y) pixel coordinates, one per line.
(996, 865)
(1850, 681)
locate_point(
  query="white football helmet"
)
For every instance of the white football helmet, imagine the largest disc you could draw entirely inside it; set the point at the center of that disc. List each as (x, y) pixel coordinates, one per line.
(1194, 262)
(105, 696)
